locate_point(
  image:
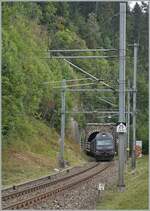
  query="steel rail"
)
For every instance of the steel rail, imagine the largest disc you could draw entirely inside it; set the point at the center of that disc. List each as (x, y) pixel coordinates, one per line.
(46, 184)
(26, 203)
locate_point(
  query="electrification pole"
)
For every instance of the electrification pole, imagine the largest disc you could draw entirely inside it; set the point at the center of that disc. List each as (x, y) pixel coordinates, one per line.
(149, 67)
(62, 123)
(122, 54)
(128, 99)
(134, 107)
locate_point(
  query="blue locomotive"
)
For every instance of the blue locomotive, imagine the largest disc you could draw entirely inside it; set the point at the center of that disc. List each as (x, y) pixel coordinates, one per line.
(102, 147)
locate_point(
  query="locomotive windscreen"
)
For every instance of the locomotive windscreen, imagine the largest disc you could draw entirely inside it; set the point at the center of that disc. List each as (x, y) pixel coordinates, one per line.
(104, 142)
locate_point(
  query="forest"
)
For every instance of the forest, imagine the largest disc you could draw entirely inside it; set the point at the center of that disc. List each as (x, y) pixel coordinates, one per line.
(30, 29)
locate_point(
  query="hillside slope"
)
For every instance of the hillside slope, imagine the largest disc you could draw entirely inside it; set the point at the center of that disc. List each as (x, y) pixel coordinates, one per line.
(36, 154)
(31, 109)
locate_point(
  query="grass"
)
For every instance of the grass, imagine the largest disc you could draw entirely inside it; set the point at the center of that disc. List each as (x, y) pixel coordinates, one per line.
(136, 191)
(32, 155)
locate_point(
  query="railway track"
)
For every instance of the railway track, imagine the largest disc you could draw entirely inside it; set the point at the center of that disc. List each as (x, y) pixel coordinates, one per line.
(35, 192)
(48, 178)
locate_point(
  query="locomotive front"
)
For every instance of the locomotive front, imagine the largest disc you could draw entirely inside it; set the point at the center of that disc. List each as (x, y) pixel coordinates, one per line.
(104, 146)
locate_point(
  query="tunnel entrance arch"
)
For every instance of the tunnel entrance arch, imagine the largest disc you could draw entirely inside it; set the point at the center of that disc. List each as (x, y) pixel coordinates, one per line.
(92, 129)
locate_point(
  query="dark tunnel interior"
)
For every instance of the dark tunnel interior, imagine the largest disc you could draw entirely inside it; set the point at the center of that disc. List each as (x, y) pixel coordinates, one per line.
(92, 136)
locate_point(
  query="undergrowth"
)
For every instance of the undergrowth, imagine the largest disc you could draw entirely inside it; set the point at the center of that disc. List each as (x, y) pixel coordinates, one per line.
(28, 155)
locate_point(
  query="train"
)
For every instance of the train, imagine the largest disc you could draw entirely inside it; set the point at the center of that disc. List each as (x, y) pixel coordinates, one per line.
(101, 147)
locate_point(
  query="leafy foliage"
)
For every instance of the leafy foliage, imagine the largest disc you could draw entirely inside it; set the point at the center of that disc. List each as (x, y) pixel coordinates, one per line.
(29, 29)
